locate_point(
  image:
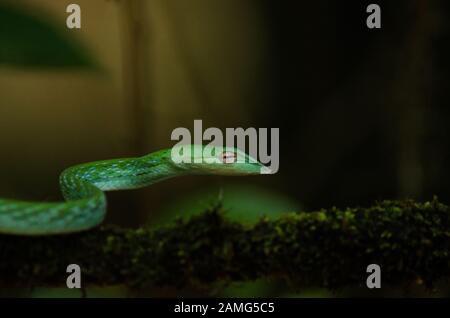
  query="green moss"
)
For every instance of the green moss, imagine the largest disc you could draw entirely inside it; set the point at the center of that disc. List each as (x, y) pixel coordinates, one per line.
(328, 248)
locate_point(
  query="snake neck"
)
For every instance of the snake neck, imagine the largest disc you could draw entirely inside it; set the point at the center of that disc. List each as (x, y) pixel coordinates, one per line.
(120, 174)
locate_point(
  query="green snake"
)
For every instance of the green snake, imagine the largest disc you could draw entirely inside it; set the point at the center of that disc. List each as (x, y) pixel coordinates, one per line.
(83, 187)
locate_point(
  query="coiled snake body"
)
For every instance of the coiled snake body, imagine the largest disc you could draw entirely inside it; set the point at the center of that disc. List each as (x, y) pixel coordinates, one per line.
(82, 186)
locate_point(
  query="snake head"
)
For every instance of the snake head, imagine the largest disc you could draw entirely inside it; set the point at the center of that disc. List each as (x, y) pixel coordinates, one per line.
(218, 160)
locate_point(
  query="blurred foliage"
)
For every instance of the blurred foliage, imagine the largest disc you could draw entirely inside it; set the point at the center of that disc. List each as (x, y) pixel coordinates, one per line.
(243, 203)
(28, 41)
(92, 292)
(257, 288)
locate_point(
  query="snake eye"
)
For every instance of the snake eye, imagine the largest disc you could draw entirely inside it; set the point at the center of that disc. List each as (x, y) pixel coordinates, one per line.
(228, 157)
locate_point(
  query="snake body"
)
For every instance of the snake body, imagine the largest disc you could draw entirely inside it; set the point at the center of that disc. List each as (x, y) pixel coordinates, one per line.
(83, 188)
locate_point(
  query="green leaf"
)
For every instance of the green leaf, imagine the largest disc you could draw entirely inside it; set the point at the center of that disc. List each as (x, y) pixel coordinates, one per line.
(29, 41)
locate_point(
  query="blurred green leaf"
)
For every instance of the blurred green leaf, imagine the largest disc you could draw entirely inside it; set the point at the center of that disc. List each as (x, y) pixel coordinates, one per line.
(242, 203)
(257, 288)
(28, 41)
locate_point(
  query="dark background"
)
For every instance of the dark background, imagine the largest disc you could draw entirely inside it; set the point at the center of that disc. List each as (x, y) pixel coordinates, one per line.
(362, 112)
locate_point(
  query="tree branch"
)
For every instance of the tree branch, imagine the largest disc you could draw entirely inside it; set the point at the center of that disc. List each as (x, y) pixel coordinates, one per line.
(327, 248)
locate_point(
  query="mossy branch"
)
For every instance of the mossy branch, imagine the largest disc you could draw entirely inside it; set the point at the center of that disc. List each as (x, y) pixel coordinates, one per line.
(328, 248)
